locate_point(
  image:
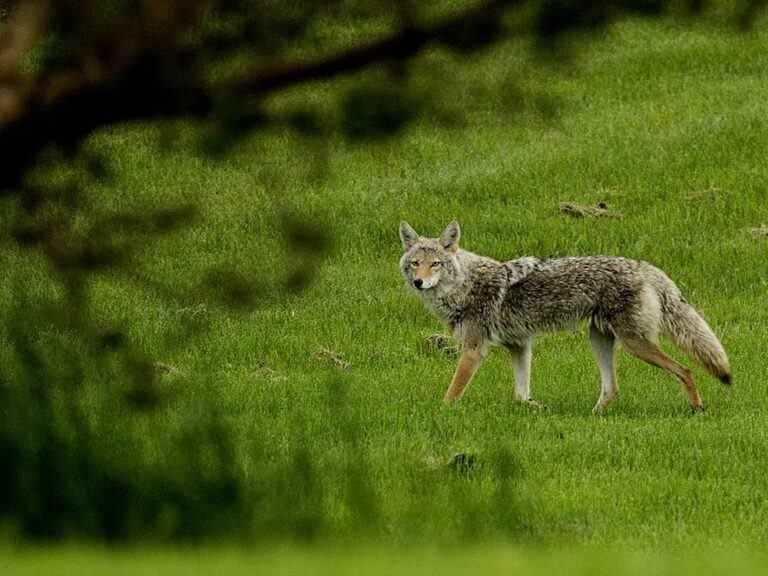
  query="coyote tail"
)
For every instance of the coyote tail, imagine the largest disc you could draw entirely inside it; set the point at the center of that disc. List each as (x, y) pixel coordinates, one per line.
(693, 335)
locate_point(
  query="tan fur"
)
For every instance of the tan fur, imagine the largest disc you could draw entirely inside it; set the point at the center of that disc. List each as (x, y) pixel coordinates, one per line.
(423, 271)
(651, 353)
(469, 362)
(686, 328)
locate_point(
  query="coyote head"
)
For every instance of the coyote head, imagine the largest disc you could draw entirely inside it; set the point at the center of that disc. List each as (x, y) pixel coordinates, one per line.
(430, 262)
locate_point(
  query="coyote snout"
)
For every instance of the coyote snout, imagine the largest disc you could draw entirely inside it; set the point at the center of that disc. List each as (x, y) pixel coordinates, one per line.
(486, 302)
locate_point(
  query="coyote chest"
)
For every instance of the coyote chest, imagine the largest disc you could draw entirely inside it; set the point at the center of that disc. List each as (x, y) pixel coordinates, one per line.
(475, 306)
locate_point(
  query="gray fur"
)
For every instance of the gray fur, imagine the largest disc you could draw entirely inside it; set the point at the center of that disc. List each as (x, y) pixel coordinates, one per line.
(408, 235)
(508, 303)
(449, 239)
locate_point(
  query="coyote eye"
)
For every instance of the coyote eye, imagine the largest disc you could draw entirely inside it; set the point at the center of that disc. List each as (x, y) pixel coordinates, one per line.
(435, 264)
(414, 263)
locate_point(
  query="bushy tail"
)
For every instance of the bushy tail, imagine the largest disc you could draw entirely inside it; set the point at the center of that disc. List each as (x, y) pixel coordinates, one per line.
(693, 335)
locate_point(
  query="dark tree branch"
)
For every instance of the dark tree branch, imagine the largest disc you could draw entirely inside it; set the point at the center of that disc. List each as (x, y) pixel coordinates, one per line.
(400, 46)
(67, 107)
(155, 81)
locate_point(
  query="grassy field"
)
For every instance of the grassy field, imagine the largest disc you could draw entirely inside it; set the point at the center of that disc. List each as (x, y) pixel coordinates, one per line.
(291, 561)
(664, 123)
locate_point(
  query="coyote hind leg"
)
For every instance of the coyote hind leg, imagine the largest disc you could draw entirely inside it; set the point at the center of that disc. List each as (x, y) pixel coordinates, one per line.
(652, 354)
(604, 350)
(521, 364)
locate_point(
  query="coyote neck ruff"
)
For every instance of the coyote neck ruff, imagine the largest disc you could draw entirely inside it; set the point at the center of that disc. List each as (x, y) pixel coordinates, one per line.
(486, 302)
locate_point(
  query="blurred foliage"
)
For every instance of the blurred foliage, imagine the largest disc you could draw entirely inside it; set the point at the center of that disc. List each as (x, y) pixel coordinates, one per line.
(80, 400)
(376, 111)
(71, 465)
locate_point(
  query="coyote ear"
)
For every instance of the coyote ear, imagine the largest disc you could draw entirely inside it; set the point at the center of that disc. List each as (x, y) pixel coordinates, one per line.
(408, 235)
(449, 239)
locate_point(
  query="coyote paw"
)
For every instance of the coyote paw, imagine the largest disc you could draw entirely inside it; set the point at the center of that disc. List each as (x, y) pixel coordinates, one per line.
(698, 409)
(603, 403)
(600, 408)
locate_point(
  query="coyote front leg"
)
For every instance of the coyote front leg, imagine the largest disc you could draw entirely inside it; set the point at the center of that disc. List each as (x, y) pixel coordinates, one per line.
(472, 354)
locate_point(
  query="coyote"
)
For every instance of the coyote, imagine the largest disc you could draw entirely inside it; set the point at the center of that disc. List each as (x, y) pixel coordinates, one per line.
(486, 302)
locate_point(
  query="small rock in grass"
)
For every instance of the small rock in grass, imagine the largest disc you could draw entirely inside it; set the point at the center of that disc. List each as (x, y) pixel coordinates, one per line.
(708, 194)
(263, 370)
(442, 343)
(462, 463)
(535, 404)
(333, 358)
(582, 211)
(163, 368)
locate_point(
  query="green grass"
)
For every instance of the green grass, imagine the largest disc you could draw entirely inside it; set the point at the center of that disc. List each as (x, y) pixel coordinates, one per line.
(291, 560)
(665, 123)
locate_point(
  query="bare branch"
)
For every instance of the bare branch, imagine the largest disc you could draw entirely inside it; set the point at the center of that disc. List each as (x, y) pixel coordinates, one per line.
(400, 46)
(65, 107)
